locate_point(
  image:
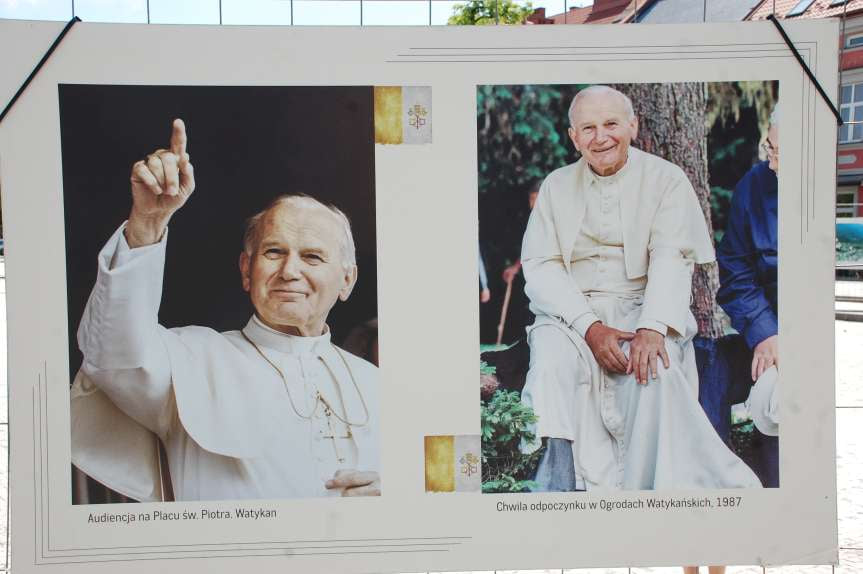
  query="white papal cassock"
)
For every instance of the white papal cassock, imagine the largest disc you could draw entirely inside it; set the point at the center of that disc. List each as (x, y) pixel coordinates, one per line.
(621, 249)
(223, 413)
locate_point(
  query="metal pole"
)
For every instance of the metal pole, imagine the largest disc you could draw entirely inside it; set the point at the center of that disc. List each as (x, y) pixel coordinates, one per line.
(361, 12)
(496, 13)
(839, 98)
(220, 12)
(148, 11)
(430, 12)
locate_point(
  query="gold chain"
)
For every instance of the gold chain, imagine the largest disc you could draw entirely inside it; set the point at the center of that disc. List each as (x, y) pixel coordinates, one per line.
(339, 390)
(319, 398)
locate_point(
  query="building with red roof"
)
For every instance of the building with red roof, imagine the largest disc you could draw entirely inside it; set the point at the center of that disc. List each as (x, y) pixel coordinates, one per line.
(601, 12)
(849, 195)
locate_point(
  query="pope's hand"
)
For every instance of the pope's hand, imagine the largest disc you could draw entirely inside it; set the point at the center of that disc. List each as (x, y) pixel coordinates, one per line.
(355, 483)
(161, 184)
(765, 355)
(643, 351)
(605, 342)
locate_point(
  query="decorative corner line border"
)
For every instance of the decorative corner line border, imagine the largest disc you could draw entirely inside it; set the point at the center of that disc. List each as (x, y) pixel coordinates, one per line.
(533, 54)
(39, 454)
(45, 553)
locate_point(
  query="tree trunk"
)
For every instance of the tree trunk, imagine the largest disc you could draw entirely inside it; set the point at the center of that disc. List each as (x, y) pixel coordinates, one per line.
(672, 125)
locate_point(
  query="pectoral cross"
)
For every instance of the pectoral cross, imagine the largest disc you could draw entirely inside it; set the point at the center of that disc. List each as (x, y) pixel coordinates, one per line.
(328, 413)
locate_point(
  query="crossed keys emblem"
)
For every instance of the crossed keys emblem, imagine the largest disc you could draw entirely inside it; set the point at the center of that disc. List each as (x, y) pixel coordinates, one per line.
(417, 116)
(469, 464)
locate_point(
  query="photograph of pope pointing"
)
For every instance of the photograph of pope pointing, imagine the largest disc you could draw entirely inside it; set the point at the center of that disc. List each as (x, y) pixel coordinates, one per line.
(274, 410)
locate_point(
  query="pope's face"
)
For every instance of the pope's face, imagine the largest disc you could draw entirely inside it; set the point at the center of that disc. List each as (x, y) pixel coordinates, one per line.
(295, 274)
(602, 131)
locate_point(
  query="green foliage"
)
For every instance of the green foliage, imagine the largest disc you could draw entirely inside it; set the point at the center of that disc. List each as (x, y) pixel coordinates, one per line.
(507, 483)
(492, 347)
(485, 12)
(720, 207)
(742, 435)
(521, 133)
(736, 118)
(486, 369)
(729, 149)
(736, 121)
(506, 422)
(728, 102)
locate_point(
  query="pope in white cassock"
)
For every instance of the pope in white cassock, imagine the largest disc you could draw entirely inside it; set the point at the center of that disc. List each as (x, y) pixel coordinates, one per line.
(274, 410)
(608, 257)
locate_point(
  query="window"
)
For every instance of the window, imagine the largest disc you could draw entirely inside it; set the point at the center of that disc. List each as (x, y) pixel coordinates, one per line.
(331, 13)
(101, 11)
(846, 202)
(396, 13)
(183, 12)
(854, 41)
(252, 12)
(851, 108)
(800, 8)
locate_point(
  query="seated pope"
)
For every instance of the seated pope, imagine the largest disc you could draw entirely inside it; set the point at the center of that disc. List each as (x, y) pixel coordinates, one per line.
(608, 257)
(274, 410)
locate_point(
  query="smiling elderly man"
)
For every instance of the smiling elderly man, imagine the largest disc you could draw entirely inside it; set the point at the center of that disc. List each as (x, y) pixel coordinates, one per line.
(274, 410)
(608, 257)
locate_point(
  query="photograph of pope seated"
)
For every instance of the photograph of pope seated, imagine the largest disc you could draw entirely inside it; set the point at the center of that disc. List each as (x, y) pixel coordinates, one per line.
(273, 410)
(608, 258)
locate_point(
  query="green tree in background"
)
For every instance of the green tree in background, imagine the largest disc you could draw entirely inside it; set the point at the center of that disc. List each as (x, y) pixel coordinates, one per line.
(737, 117)
(485, 12)
(521, 136)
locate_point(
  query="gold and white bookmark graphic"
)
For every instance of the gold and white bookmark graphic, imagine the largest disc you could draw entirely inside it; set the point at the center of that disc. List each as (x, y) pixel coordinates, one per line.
(453, 463)
(403, 115)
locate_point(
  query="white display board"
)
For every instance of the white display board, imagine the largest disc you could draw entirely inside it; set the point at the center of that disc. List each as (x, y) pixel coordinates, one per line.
(425, 225)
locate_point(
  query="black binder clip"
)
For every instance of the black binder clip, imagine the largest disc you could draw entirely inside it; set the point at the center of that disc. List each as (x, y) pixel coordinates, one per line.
(38, 67)
(806, 69)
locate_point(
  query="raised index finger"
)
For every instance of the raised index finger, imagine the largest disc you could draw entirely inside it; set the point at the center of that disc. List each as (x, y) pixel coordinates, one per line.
(178, 138)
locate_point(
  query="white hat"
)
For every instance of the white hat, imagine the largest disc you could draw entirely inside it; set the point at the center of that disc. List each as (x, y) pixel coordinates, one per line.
(763, 402)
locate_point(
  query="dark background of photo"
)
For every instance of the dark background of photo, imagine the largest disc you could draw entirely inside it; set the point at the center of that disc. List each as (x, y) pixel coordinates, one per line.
(248, 145)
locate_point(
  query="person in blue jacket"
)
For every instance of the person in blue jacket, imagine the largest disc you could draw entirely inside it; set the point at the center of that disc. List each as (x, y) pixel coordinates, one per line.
(747, 259)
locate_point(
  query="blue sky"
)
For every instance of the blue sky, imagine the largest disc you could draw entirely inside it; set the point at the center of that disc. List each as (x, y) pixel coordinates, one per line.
(281, 12)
